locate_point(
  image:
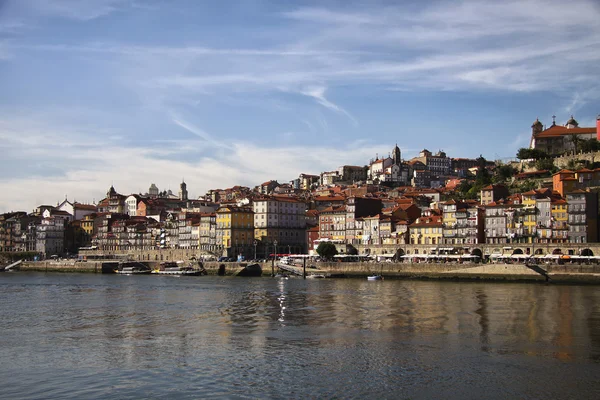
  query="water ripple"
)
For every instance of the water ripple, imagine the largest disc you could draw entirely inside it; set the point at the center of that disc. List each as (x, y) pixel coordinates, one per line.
(98, 336)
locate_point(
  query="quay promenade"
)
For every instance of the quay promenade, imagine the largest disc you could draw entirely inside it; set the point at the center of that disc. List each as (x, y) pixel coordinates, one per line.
(582, 273)
(481, 250)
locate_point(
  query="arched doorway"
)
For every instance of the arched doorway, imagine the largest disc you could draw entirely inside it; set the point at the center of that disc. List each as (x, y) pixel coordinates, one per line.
(587, 253)
(557, 251)
(539, 251)
(398, 255)
(477, 252)
(477, 255)
(518, 251)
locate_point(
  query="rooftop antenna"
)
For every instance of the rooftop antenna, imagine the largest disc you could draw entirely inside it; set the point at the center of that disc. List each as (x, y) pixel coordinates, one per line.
(553, 120)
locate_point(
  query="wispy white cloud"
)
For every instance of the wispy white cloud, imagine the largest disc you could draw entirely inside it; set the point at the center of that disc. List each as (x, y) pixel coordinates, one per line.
(88, 167)
(196, 131)
(318, 93)
(325, 53)
(462, 45)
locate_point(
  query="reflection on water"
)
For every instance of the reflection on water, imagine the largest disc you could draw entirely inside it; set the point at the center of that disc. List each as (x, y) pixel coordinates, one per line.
(131, 337)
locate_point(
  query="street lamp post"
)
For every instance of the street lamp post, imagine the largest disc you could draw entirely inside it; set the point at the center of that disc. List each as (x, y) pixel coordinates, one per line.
(274, 257)
(255, 243)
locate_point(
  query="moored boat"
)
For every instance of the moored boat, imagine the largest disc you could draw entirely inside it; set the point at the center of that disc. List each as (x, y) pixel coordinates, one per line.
(251, 270)
(12, 267)
(173, 268)
(374, 278)
(132, 268)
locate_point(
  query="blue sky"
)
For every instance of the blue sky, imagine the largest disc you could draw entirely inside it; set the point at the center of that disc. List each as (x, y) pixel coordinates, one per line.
(134, 92)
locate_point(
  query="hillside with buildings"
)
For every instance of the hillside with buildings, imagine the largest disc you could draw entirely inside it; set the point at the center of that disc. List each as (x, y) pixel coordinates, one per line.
(431, 199)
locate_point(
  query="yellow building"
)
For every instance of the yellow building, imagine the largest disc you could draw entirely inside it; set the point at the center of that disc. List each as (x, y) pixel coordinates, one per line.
(529, 215)
(235, 228)
(426, 230)
(560, 218)
(87, 224)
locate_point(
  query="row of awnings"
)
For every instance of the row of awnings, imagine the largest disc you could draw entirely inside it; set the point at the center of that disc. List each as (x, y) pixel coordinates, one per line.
(544, 256)
(430, 256)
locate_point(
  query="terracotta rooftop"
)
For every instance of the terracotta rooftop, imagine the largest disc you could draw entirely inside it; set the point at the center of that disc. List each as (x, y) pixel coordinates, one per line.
(558, 130)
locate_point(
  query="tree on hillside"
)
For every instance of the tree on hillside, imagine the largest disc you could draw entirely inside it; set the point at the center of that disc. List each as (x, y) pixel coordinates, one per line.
(462, 189)
(545, 164)
(504, 173)
(525, 153)
(576, 141)
(326, 250)
(526, 186)
(589, 145)
(483, 176)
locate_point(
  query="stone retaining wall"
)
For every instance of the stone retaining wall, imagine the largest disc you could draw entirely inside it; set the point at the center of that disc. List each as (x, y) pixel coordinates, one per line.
(558, 273)
(563, 161)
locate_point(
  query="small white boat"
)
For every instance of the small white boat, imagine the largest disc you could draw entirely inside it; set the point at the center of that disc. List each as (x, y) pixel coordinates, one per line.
(375, 278)
(315, 276)
(12, 267)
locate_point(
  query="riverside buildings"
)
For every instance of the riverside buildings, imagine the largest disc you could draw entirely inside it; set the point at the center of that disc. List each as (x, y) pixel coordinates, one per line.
(388, 202)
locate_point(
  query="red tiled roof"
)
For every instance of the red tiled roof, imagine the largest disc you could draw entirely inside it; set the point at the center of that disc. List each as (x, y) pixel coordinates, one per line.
(563, 171)
(81, 206)
(59, 212)
(333, 209)
(329, 198)
(558, 130)
(267, 183)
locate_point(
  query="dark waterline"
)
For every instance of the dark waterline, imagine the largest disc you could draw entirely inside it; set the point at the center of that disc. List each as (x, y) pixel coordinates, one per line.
(131, 337)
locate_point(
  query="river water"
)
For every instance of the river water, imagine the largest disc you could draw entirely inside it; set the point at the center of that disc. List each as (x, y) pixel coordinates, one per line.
(87, 336)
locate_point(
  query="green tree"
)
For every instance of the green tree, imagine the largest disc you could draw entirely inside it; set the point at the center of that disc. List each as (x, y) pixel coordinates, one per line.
(326, 250)
(589, 145)
(526, 186)
(545, 163)
(504, 173)
(527, 154)
(464, 186)
(576, 141)
(524, 153)
(483, 176)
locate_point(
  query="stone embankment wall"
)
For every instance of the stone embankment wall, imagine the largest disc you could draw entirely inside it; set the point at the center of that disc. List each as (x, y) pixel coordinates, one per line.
(567, 273)
(563, 161)
(557, 273)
